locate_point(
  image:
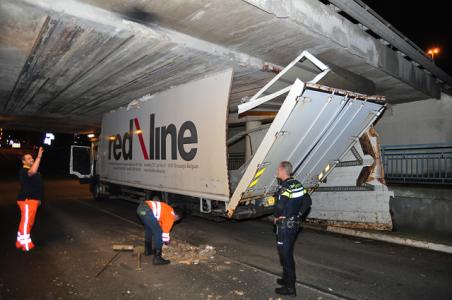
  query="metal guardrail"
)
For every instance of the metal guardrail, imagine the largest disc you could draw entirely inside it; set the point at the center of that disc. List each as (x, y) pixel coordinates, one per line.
(424, 164)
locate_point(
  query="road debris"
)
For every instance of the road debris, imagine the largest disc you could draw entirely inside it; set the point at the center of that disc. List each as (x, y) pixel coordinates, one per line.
(138, 250)
(181, 252)
(123, 247)
(107, 264)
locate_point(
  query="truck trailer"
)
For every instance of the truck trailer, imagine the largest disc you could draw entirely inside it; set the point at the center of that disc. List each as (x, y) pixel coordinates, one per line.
(176, 142)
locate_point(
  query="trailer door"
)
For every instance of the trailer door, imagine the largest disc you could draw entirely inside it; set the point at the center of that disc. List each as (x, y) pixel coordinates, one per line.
(81, 162)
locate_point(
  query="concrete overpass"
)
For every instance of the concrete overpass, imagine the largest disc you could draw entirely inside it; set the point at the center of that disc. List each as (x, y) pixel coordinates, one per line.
(64, 63)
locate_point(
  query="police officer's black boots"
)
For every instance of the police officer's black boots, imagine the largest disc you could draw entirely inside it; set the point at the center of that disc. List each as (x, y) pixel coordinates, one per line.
(286, 291)
(281, 281)
(158, 260)
(148, 249)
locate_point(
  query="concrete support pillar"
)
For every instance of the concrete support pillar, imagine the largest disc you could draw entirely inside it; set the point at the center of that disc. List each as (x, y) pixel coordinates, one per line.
(248, 149)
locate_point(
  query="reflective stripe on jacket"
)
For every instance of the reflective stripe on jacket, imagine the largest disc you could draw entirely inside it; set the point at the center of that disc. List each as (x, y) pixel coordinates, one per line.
(289, 198)
(294, 193)
(165, 215)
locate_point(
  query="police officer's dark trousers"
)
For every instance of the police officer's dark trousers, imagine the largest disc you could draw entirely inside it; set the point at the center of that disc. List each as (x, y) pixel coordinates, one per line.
(286, 235)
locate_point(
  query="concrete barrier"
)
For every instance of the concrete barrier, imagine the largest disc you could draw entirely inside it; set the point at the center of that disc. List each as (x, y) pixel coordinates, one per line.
(425, 210)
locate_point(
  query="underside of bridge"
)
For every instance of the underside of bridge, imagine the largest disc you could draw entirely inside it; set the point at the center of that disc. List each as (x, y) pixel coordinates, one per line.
(65, 63)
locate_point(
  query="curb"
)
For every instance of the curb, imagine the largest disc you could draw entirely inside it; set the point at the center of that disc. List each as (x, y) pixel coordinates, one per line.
(390, 239)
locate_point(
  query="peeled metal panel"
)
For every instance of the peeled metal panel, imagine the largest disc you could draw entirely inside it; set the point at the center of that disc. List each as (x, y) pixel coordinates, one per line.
(201, 105)
(312, 116)
(255, 164)
(356, 117)
(317, 132)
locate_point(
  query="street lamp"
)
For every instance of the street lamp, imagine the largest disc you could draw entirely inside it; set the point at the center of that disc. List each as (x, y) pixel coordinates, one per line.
(432, 52)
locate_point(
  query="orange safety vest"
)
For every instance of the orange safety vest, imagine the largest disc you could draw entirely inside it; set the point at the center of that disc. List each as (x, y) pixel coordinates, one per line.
(165, 215)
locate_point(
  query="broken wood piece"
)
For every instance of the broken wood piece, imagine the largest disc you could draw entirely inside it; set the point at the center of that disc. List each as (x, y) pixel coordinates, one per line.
(123, 247)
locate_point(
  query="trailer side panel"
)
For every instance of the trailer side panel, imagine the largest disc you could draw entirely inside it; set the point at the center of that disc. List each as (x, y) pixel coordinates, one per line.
(174, 141)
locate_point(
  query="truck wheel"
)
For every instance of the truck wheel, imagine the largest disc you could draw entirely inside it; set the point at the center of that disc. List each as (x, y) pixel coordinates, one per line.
(99, 191)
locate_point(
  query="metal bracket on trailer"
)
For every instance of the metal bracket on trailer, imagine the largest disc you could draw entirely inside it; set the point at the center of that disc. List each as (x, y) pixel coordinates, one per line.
(205, 206)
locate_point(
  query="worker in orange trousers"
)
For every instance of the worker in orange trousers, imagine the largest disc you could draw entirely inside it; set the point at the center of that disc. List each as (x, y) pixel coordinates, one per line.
(29, 198)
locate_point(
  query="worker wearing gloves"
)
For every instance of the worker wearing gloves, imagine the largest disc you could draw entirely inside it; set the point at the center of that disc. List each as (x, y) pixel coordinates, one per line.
(289, 198)
(158, 219)
(29, 198)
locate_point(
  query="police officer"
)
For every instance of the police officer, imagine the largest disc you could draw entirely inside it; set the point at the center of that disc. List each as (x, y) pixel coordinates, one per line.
(288, 204)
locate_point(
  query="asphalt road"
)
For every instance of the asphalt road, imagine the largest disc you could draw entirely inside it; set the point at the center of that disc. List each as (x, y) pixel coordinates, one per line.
(74, 236)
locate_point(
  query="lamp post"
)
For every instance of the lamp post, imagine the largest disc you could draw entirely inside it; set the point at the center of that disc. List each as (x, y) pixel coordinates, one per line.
(432, 52)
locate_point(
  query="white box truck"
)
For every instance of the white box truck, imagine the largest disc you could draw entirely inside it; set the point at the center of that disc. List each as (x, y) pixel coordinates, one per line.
(176, 141)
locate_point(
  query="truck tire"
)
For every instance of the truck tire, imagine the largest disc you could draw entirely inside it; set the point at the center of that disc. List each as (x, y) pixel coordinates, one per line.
(99, 191)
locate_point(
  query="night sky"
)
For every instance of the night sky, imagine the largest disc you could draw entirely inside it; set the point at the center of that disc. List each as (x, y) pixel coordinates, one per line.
(426, 23)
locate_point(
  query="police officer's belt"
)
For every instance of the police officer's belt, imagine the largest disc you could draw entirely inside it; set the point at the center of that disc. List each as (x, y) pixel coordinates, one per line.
(292, 222)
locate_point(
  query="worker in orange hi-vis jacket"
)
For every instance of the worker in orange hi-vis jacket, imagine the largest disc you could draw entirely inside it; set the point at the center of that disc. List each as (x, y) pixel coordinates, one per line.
(29, 198)
(158, 219)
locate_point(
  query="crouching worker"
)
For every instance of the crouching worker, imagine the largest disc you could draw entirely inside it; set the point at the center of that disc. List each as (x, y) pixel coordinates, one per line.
(158, 219)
